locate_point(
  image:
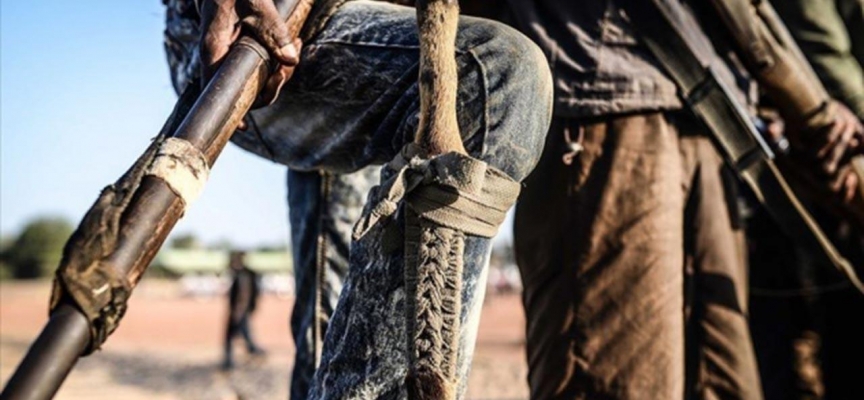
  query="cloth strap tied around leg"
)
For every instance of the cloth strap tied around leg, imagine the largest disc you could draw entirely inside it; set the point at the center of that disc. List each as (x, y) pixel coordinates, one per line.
(446, 198)
(183, 168)
(453, 190)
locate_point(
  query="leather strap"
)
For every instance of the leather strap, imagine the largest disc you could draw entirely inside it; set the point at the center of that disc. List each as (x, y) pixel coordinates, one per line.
(734, 133)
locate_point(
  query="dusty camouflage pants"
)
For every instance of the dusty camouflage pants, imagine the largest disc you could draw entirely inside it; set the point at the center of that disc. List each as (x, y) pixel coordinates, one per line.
(603, 245)
(353, 101)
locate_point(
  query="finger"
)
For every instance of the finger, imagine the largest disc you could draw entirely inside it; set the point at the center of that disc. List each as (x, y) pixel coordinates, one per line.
(846, 185)
(857, 142)
(851, 187)
(838, 182)
(272, 31)
(838, 151)
(218, 26)
(274, 84)
(827, 141)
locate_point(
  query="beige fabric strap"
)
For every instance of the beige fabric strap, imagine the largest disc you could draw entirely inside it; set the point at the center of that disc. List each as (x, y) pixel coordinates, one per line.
(452, 190)
(182, 166)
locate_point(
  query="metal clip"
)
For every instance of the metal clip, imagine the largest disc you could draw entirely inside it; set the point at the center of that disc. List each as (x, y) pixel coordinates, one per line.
(573, 147)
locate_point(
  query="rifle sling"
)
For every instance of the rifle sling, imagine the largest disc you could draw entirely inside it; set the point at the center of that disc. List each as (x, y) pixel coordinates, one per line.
(729, 123)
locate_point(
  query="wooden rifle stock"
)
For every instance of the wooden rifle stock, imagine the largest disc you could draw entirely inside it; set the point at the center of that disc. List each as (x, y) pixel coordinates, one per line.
(205, 118)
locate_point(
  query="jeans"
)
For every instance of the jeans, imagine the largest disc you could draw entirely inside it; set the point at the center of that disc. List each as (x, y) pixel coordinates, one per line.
(323, 208)
(354, 101)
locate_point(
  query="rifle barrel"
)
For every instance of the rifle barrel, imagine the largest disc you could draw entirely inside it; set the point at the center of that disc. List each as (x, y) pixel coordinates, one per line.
(150, 216)
(50, 357)
(207, 121)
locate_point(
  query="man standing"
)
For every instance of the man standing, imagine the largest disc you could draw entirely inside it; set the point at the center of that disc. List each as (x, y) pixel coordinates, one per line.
(242, 300)
(628, 195)
(805, 339)
(354, 101)
(629, 192)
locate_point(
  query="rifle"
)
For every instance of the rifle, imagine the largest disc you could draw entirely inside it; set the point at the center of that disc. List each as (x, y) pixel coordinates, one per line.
(674, 38)
(121, 233)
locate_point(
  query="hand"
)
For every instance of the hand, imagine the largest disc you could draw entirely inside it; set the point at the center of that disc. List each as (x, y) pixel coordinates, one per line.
(840, 140)
(221, 22)
(828, 151)
(845, 183)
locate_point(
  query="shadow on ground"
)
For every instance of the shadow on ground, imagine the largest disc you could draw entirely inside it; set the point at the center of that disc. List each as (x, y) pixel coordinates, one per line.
(184, 379)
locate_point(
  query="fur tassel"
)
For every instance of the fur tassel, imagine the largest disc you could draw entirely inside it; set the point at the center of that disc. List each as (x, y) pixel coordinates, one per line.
(428, 385)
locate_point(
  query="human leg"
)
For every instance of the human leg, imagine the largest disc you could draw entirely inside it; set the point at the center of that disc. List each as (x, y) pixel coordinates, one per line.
(228, 346)
(354, 98)
(354, 101)
(721, 359)
(323, 208)
(783, 314)
(244, 330)
(600, 247)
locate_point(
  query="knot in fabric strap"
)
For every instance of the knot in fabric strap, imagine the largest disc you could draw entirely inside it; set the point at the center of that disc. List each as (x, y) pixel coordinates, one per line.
(453, 190)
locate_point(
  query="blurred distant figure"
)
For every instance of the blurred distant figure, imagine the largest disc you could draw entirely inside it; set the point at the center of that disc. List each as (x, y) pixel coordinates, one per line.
(243, 297)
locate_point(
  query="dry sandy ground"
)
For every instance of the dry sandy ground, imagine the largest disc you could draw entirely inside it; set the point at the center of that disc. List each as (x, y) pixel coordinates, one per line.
(169, 347)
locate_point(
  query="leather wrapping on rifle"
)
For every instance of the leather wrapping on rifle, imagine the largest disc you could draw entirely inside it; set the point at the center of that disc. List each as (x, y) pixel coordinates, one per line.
(734, 133)
(84, 277)
(771, 54)
(97, 289)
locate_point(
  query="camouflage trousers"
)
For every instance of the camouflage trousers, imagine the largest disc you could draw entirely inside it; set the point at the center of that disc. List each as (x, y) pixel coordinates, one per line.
(353, 102)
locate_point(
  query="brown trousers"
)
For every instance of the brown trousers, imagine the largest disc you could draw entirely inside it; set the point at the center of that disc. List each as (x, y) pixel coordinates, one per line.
(603, 245)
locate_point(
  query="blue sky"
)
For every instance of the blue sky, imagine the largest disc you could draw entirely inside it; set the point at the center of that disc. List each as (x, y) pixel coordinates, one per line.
(83, 86)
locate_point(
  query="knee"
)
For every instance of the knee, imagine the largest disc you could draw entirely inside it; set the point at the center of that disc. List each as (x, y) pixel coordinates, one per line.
(519, 95)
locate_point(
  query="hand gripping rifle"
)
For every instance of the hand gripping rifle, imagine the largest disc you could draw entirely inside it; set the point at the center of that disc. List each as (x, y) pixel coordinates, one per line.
(677, 41)
(121, 233)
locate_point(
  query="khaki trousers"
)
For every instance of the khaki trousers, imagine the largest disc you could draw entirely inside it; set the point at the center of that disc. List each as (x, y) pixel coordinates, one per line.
(603, 245)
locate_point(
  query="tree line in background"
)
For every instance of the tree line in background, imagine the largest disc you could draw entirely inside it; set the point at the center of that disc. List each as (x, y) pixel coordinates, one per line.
(37, 249)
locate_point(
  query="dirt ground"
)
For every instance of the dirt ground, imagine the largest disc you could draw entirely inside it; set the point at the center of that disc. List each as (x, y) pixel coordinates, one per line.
(169, 347)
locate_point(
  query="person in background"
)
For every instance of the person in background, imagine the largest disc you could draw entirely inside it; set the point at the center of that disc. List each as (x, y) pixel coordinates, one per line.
(831, 36)
(243, 298)
(800, 313)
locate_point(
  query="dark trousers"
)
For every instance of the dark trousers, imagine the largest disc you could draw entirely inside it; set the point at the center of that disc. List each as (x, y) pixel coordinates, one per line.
(803, 316)
(238, 328)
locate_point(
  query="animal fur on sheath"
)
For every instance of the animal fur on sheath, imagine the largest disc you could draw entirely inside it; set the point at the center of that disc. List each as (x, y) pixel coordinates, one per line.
(432, 350)
(438, 132)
